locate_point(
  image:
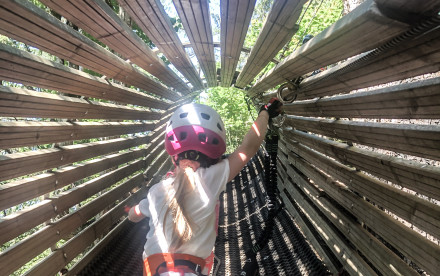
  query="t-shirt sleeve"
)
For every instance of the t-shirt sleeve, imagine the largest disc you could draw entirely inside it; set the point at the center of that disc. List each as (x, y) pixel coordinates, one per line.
(144, 207)
(216, 177)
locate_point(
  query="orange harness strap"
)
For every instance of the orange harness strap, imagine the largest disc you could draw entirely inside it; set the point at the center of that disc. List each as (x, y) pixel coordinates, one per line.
(152, 263)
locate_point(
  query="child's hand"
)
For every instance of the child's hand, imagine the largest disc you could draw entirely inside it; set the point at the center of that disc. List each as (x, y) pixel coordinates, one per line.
(134, 213)
(274, 107)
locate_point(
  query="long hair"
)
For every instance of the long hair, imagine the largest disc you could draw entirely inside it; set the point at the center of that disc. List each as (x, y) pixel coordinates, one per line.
(183, 226)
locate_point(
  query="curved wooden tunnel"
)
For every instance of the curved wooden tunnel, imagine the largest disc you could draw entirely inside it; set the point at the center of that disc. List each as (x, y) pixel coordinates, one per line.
(358, 158)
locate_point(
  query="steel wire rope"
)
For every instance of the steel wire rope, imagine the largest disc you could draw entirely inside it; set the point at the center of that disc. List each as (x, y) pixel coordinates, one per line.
(299, 23)
(308, 26)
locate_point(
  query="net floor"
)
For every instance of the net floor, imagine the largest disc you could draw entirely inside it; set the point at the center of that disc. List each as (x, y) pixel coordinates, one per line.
(242, 220)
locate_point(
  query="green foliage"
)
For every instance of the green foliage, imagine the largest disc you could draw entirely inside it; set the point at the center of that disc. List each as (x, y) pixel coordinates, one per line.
(231, 105)
(316, 17)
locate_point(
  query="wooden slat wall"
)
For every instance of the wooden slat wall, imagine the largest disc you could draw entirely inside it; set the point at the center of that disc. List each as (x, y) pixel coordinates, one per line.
(361, 171)
(339, 41)
(18, 18)
(196, 20)
(235, 18)
(153, 20)
(90, 16)
(279, 27)
(416, 56)
(18, 102)
(73, 144)
(22, 67)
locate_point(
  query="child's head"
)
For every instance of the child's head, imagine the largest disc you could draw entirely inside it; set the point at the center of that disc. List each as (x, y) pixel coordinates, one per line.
(195, 132)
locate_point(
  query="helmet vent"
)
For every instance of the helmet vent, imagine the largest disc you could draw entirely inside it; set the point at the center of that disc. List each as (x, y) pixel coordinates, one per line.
(219, 126)
(183, 115)
(202, 137)
(215, 141)
(205, 116)
(182, 135)
(171, 137)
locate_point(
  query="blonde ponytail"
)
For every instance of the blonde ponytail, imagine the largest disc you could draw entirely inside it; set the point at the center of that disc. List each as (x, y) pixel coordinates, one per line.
(184, 226)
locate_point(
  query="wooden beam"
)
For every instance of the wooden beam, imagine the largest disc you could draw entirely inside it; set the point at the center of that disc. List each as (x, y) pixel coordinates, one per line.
(25, 22)
(21, 134)
(305, 225)
(363, 29)
(381, 257)
(19, 164)
(421, 213)
(278, 29)
(421, 178)
(153, 20)
(235, 18)
(18, 102)
(20, 222)
(22, 67)
(19, 191)
(418, 140)
(405, 9)
(414, 246)
(415, 56)
(101, 22)
(14, 257)
(351, 260)
(196, 21)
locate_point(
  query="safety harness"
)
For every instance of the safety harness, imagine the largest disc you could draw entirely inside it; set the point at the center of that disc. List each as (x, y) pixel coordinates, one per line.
(157, 264)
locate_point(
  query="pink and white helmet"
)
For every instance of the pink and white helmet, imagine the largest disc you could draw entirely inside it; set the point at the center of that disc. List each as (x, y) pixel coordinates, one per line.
(196, 127)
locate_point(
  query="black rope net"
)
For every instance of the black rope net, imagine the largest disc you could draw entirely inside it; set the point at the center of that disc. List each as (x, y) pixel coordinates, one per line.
(244, 216)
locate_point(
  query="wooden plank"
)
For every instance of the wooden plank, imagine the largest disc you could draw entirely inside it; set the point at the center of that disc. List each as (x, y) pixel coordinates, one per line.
(414, 246)
(421, 213)
(22, 190)
(25, 22)
(99, 229)
(18, 102)
(278, 29)
(235, 18)
(19, 164)
(196, 21)
(421, 178)
(159, 160)
(415, 55)
(95, 251)
(382, 258)
(305, 225)
(99, 20)
(418, 140)
(14, 257)
(404, 9)
(16, 224)
(65, 200)
(341, 40)
(351, 260)
(22, 67)
(19, 222)
(154, 22)
(416, 100)
(20, 134)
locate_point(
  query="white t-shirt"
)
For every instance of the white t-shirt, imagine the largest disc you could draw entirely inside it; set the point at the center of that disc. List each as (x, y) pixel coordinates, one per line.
(209, 182)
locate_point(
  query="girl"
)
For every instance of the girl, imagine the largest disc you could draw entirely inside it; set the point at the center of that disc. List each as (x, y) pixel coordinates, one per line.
(182, 208)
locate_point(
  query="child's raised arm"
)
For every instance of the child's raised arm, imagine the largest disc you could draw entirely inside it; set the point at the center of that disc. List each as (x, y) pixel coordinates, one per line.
(253, 139)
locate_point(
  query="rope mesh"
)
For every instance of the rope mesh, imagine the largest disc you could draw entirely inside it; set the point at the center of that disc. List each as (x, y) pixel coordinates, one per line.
(242, 220)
